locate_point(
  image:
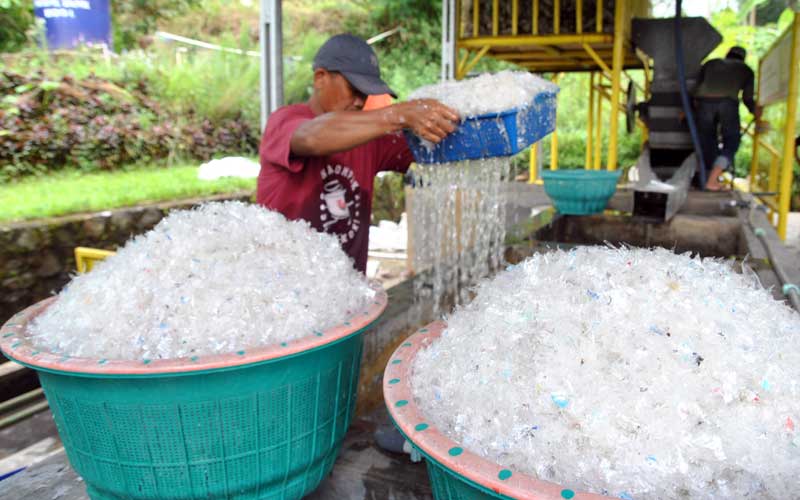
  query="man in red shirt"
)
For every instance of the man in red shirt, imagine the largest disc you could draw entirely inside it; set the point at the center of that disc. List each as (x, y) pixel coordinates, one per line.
(319, 159)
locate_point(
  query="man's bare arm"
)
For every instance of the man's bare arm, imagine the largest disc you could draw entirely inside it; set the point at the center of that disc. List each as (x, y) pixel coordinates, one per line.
(343, 130)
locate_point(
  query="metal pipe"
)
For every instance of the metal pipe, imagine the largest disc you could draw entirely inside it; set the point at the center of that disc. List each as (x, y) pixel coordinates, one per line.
(597, 59)
(756, 141)
(616, 77)
(535, 21)
(598, 132)
(554, 150)
(460, 24)
(471, 64)
(526, 40)
(784, 199)
(271, 33)
(556, 16)
(204, 45)
(533, 171)
(515, 17)
(590, 124)
(599, 17)
(495, 17)
(449, 29)
(579, 16)
(20, 400)
(23, 414)
(790, 292)
(554, 138)
(475, 18)
(386, 34)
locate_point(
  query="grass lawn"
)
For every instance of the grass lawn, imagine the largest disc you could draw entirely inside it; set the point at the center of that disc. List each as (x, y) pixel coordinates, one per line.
(71, 192)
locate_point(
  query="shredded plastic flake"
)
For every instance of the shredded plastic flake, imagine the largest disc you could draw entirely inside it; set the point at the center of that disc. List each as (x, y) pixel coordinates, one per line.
(487, 93)
(222, 277)
(634, 373)
(459, 211)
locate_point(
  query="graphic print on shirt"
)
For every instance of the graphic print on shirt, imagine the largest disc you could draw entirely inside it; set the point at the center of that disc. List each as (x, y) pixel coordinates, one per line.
(340, 202)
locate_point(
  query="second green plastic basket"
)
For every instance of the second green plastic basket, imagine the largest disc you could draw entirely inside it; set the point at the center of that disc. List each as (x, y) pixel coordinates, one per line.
(455, 472)
(580, 192)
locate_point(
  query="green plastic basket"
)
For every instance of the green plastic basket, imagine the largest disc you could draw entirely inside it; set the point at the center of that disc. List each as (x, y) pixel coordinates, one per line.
(266, 429)
(455, 472)
(580, 192)
(447, 484)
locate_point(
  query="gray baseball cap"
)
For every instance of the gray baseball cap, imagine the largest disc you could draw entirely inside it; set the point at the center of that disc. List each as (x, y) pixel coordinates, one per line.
(355, 60)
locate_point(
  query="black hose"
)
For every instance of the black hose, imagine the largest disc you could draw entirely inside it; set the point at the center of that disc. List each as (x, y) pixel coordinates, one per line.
(687, 106)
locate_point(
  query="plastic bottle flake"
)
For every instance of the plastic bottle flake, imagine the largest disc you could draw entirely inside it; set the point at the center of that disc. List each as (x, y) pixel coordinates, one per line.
(459, 208)
(633, 373)
(487, 93)
(459, 213)
(217, 279)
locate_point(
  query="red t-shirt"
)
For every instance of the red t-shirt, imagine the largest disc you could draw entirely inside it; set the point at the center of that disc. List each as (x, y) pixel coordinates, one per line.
(333, 193)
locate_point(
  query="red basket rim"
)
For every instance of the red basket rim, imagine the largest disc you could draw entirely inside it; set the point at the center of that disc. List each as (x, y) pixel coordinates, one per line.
(16, 345)
(409, 418)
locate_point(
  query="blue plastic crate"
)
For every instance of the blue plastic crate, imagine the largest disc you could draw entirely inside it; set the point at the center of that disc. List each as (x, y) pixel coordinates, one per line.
(496, 134)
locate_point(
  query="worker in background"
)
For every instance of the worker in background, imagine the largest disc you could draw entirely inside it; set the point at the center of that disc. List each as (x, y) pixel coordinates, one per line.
(717, 104)
(319, 159)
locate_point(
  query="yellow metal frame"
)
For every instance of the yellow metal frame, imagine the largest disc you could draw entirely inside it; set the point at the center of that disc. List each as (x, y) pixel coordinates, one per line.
(779, 174)
(86, 258)
(608, 54)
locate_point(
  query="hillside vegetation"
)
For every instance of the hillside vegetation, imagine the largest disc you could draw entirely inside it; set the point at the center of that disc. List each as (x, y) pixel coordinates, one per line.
(158, 103)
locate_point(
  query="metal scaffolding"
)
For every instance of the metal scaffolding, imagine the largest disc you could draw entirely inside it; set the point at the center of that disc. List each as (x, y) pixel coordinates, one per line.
(551, 36)
(271, 58)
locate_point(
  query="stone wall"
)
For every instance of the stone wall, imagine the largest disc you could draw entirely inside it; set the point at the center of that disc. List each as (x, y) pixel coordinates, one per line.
(37, 257)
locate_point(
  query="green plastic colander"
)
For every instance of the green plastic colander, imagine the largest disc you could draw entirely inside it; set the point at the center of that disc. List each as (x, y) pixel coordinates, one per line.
(580, 192)
(455, 472)
(256, 425)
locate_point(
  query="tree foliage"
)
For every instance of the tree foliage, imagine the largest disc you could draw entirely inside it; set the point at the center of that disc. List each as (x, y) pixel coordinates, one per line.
(132, 19)
(16, 18)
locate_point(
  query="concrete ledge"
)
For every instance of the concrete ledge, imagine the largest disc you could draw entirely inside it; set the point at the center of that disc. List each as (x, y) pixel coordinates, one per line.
(709, 236)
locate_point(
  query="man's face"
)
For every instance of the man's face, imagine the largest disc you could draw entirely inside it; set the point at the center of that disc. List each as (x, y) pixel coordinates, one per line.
(335, 92)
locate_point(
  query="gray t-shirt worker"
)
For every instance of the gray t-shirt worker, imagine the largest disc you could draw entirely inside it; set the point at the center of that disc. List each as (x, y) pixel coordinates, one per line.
(717, 102)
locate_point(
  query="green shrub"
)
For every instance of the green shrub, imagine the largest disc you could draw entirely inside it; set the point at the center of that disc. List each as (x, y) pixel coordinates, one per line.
(93, 124)
(389, 199)
(134, 19)
(16, 18)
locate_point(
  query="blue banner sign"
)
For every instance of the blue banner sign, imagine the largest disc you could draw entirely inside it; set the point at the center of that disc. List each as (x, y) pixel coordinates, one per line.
(70, 23)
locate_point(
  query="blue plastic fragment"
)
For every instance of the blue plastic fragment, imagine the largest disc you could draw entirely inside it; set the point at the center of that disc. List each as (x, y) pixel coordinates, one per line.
(559, 400)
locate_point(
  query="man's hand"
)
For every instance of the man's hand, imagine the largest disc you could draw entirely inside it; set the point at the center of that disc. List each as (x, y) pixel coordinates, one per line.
(338, 131)
(428, 118)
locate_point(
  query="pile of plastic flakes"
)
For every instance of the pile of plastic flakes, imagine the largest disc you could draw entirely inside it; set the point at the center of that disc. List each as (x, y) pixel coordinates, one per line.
(632, 373)
(222, 277)
(487, 93)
